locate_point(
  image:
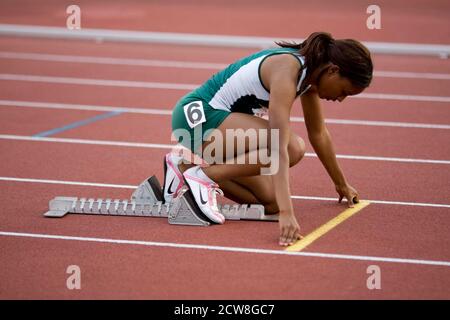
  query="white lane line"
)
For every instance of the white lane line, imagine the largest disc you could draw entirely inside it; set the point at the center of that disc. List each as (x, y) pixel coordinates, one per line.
(401, 97)
(182, 64)
(379, 123)
(87, 141)
(167, 111)
(226, 249)
(83, 107)
(397, 203)
(412, 75)
(170, 146)
(353, 157)
(97, 82)
(69, 183)
(187, 86)
(294, 197)
(112, 61)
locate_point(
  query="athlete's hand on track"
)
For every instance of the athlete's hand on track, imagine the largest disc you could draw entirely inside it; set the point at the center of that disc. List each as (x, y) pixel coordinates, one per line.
(349, 193)
(289, 228)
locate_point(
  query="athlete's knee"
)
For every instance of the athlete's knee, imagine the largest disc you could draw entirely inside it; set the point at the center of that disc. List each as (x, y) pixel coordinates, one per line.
(271, 208)
(296, 150)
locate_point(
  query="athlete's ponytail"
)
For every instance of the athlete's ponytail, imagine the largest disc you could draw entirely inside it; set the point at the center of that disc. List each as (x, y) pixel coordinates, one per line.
(352, 57)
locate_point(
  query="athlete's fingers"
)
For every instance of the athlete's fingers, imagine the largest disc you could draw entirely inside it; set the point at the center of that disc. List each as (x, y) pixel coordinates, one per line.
(283, 237)
(350, 202)
(292, 235)
(340, 198)
(285, 242)
(288, 236)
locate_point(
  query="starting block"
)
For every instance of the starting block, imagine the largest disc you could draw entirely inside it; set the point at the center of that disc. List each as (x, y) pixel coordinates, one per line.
(147, 201)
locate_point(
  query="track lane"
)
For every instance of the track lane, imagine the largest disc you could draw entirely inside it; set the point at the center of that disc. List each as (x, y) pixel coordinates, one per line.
(408, 143)
(374, 179)
(358, 109)
(193, 53)
(128, 50)
(396, 112)
(424, 87)
(31, 122)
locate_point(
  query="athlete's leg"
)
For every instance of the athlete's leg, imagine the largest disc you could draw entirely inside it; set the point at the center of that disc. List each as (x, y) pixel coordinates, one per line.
(243, 183)
(240, 121)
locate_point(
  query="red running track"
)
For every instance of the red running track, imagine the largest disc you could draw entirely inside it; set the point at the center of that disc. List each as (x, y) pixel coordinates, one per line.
(34, 267)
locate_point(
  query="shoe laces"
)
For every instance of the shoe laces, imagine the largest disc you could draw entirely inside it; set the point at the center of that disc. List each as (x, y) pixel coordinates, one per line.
(213, 190)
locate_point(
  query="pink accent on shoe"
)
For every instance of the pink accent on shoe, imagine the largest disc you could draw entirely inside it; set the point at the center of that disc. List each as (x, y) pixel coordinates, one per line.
(199, 180)
(177, 172)
(211, 187)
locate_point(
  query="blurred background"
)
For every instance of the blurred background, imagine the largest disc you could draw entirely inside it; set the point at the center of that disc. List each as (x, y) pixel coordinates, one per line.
(417, 21)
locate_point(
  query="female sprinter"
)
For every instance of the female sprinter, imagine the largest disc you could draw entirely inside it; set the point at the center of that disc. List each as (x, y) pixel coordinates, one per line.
(234, 98)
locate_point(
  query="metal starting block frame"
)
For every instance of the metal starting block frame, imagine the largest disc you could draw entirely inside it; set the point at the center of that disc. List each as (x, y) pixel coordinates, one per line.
(147, 201)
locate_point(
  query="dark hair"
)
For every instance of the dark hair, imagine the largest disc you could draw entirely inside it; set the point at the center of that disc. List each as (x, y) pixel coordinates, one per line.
(351, 56)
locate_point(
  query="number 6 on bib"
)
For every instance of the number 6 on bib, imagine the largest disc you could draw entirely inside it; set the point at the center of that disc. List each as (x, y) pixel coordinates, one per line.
(194, 113)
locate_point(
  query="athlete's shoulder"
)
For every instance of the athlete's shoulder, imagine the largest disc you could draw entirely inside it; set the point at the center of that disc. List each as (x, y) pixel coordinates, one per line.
(282, 63)
(283, 68)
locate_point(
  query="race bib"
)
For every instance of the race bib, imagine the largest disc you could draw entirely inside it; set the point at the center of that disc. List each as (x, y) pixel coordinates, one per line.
(194, 113)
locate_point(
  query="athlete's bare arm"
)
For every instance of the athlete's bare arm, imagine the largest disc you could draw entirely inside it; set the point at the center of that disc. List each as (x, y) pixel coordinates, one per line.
(321, 141)
(279, 74)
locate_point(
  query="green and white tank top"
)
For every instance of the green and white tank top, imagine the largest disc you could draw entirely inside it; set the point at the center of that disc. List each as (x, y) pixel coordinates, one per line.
(239, 88)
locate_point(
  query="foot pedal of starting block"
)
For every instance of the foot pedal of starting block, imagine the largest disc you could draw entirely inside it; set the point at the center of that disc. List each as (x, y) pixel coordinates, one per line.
(60, 206)
(149, 191)
(185, 211)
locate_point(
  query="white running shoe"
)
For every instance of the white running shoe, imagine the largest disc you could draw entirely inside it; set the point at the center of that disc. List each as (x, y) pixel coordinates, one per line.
(173, 178)
(204, 191)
